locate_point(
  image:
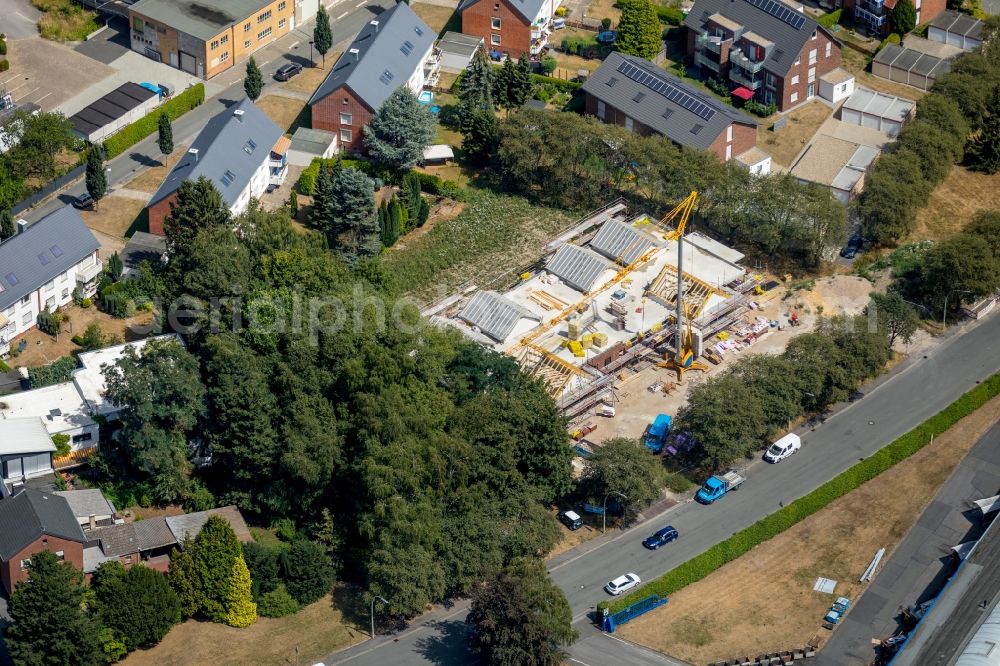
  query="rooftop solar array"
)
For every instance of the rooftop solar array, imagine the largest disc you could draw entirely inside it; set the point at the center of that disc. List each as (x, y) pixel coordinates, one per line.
(780, 11)
(674, 94)
(576, 266)
(493, 314)
(620, 242)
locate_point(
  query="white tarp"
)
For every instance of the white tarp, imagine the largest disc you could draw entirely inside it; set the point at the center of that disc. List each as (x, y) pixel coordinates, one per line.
(438, 153)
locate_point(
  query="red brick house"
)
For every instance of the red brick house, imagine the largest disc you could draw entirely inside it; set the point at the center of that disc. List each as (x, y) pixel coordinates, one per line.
(764, 50)
(874, 14)
(638, 95)
(395, 49)
(514, 27)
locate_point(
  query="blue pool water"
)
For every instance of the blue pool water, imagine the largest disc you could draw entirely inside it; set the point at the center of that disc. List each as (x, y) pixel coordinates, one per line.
(425, 97)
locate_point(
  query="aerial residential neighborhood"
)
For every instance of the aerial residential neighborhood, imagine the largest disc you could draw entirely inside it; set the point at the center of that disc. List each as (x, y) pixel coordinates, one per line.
(595, 332)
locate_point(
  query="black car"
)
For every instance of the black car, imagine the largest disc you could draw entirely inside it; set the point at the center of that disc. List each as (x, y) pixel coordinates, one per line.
(852, 248)
(571, 519)
(660, 538)
(84, 202)
(286, 72)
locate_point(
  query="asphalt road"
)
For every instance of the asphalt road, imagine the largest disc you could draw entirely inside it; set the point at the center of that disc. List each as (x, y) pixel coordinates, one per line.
(893, 406)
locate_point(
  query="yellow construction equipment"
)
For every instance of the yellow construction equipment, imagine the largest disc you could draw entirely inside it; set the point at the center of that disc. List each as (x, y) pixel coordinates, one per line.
(681, 212)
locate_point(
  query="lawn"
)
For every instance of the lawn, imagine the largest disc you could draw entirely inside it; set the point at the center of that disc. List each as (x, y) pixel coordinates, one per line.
(435, 16)
(150, 179)
(115, 215)
(302, 638)
(832, 543)
(955, 201)
(311, 77)
(602, 9)
(286, 112)
(785, 144)
(63, 21)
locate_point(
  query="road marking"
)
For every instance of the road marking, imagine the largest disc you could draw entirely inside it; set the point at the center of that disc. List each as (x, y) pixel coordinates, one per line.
(342, 16)
(20, 15)
(39, 100)
(578, 661)
(293, 45)
(362, 3)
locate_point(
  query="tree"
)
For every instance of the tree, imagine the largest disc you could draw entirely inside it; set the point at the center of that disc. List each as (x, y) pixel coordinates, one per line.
(94, 338)
(893, 315)
(322, 35)
(398, 133)
(262, 561)
(307, 571)
(903, 17)
(293, 204)
(639, 32)
(241, 611)
(137, 603)
(622, 465)
(962, 262)
(96, 178)
(7, 229)
(50, 627)
(521, 617)
(986, 225)
(165, 136)
(214, 552)
(161, 399)
(115, 266)
(184, 580)
(475, 92)
(350, 224)
(984, 150)
(326, 535)
(37, 139)
(253, 83)
(894, 190)
(479, 139)
(198, 206)
(63, 447)
(277, 603)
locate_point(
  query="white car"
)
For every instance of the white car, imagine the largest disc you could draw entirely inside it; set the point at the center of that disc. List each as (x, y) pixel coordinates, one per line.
(784, 447)
(622, 584)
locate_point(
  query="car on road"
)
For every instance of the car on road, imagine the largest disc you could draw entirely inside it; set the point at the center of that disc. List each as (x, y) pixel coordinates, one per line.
(784, 447)
(852, 248)
(661, 538)
(571, 519)
(287, 71)
(623, 583)
(84, 202)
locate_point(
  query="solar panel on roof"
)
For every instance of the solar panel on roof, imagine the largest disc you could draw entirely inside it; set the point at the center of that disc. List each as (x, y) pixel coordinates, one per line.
(663, 88)
(781, 12)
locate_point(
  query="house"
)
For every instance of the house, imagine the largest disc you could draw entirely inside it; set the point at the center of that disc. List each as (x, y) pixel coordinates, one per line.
(514, 27)
(240, 150)
(873, 15)
(119, 108)
(90, 507)
(837, 163)
(764, 50)
(40, 268)
(638, 95)
(956, 29)
(308, 144)
(25, 450)
(395, 49)
(913, 68)
(205, 39)
(457, 50)
(30, 522)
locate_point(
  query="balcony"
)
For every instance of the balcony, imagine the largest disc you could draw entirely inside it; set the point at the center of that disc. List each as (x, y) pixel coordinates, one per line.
(704, 61)
(713, 44)
(737, 75)
(87, 277)
(873, 20)
(737, 57)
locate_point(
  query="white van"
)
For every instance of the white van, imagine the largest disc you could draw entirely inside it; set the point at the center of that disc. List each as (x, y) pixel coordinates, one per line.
(783, 448)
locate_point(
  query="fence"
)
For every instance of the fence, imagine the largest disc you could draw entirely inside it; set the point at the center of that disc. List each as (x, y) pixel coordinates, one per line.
(56, 185)
(632, 611)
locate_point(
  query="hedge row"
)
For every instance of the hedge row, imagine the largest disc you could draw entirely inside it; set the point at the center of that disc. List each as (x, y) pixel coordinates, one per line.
(767, 528)
(148, 124)
(559, 84)
(429, 183)
(669, 15)
(831, 19)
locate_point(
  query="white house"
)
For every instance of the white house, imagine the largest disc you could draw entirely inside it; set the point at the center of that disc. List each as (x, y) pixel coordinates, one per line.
(41, 266)
(25, 449)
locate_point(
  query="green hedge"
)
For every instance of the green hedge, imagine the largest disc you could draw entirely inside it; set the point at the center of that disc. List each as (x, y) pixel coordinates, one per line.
(670, 15)
(56, 372)
(148, 124)
(767, 528)
(559, 84)
(429, 183)
(831, 19)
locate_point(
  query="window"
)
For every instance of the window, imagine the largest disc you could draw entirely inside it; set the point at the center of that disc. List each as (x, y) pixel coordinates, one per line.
(815, 32)
(829, 49)
(495, 22)
(795, 97)
(771, 80)
(729, 133)
(246, 27)
(225, 39)
(61, 555)
(495, 40)
(25, 564)
(128, 559)
(215, 44)
(50, 285)
(798, 61)
(65, 293)
(345, 135)
(263, 17)
(27, 318)
(601, 109)
(264, 34)
(246, 44)
(346, 118)
(795, 80)
(812, 74)
(24, 301)
(812, 57)
(282, 5)
(225, 56)
(281, 23)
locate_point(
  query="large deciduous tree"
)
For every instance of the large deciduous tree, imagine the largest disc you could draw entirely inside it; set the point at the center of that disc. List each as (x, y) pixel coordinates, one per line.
(894, 315)
(622, 465)
(399, 131)
(962, 263)
(886, 205)
(639, 32)
(37, 139)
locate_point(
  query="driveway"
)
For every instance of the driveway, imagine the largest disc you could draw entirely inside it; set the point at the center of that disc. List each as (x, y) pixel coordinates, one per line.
(108, 45)
(21, 19)
(48, 73)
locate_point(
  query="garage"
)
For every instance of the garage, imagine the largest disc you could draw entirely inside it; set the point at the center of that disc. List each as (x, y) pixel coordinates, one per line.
(956, 29)
(189, 63)
(913, 68)
(457, 50)
(877, 111)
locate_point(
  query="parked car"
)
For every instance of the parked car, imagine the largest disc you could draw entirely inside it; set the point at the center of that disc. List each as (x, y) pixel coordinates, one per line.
(622, 584)
(661, 538)
(784, 447)
(84, 202)
(286, 72)
(852, 248)
(571, 519)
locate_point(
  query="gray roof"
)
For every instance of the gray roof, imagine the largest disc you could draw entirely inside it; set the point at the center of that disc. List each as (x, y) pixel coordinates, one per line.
(528, 9)
(788, 39)
(190, 524)
(661, 101)
(959, 24)
(153, 533)
(88, 502)
(229, 152)
(494, 315)
(30, 514)
(460, 44)
(143, 247)
(879, 104)
(199, 19)
(46, 249)
(24, 435)
(387, 55)
(110, 108)
(312, 141)
(117, 540)
(577, 266)
(620, 241)
(909, 60)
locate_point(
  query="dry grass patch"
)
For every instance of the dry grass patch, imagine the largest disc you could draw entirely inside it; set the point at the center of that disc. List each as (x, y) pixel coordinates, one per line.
(602, 9)
(310, 77)
(63, 21)
(832, 543)
(955, 201)
(152, 177)
(43, 348)
(302, 638)
(857, 64)
(284, 111)
(435, 16)
(114, 216)
(784, 145)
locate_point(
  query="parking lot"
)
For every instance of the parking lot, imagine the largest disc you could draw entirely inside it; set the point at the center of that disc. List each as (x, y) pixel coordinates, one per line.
(20, 19)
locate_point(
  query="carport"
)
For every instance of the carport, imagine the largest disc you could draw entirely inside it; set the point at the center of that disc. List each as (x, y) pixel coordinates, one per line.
(909, 67)
(457, 50)
(120, 107)
(876, 110)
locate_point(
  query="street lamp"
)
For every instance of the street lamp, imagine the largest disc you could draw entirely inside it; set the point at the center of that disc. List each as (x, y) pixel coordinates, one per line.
(944, 315)
(604, 513)
(311, 63)
(374, 599)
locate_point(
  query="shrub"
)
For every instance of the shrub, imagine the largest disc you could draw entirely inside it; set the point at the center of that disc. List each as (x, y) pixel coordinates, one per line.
(831, 19)
(3, 47)
(4, 65)
(62, 445)
(893, 38)
(548, 65)
(561, 11)
(769, 527)
(308, 571)
(429, 183)
(49, 322)
(277, 603)
(758, 109)
(669, 15)
(559, 84)
(307, 179)
(57, 372)
(149, 124)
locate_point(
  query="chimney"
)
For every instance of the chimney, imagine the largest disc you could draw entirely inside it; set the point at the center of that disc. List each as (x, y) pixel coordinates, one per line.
(22, 226)
(354, 52)
(194, 154)
(375, 23)
(93, 522)
(239, 114)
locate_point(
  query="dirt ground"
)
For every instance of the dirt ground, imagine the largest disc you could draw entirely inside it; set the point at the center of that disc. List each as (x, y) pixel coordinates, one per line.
(284, 111)
(433, 15)
(955, 201)
(311, 77)
(833, 543)
(856, 63)
(114, 217)
(602, 9)
(152, 177)
(784, 145)
(301, 638)
(573, 538)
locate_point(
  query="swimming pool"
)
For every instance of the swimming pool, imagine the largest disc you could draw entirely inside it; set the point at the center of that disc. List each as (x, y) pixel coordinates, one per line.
(425, 97)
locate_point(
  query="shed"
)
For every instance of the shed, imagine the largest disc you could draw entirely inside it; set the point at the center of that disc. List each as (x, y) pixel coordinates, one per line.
(457, 50)
(956, 29)
(876, 110)
(119, 108)
(438, 154)
(309, 143)
(909, 67)
(836, 85)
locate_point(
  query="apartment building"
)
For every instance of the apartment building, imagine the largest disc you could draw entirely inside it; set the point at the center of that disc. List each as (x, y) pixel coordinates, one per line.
(514, 27)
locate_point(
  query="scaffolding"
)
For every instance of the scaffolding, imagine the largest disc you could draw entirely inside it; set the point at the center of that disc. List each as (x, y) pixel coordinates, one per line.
(554, 372)
(663, 290)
